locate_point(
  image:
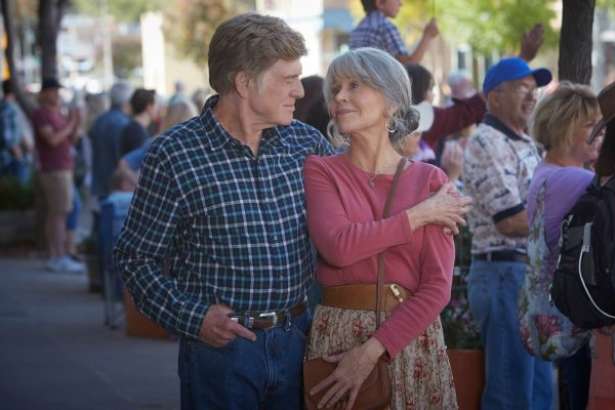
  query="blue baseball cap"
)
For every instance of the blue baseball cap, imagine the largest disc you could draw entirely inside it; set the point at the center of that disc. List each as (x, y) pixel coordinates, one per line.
(513, 68)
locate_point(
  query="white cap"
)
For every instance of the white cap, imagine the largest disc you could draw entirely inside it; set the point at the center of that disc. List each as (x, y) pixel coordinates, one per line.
(425, 110)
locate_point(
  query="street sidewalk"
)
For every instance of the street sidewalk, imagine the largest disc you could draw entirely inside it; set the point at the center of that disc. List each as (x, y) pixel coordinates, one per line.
(55, 352)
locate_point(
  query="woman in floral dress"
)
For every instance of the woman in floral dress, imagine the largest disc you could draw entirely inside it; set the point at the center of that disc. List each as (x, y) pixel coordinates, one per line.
(369, 97)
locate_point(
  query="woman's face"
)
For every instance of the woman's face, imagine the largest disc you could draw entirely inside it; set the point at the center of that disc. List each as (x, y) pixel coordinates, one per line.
(580, 149)
(357, 108)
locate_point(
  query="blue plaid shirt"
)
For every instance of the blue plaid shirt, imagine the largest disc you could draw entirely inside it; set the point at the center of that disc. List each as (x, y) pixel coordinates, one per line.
(11, 132)
(376, 30)
(231, 225)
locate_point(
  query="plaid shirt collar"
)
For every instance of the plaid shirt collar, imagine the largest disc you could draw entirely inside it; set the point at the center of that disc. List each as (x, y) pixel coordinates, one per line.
(220, 137)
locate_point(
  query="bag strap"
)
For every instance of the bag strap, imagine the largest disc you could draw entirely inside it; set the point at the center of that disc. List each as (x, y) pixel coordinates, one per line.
(385, 214)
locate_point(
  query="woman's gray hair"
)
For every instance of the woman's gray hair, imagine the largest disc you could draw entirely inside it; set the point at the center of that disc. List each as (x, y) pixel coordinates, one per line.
(380, 71)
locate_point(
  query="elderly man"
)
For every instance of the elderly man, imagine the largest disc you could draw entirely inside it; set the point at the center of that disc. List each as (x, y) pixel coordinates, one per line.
(220, 198)
(499, 162)
(105, 135)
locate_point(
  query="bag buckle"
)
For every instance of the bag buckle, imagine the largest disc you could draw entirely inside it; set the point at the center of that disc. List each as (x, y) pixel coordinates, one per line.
(396, 292)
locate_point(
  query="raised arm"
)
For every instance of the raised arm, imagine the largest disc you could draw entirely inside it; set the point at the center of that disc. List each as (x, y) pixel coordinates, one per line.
(430, 31)
(53, 137)
(449, 120)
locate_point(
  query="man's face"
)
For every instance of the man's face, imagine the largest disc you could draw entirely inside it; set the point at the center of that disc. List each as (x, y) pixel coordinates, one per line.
(51, 97)
(389, 8)
(272, 95)
(517, 100)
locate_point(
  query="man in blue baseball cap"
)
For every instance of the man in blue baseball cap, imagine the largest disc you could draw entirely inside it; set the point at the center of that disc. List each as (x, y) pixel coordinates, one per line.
(499, 163)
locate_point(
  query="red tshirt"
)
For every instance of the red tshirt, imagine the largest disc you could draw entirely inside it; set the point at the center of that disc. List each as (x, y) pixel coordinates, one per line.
(344, 212)
(52, 158)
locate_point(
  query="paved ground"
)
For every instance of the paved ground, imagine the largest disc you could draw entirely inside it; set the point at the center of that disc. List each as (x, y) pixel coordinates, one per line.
(55, 352)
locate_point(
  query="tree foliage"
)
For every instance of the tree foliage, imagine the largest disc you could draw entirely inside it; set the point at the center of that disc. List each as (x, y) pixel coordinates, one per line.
(190, 24)
(121, 10)
(486, 25)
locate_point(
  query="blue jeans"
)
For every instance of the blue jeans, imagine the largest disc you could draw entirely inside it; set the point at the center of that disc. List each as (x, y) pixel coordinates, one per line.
(513, 378)
(72, 220)
(266, 374)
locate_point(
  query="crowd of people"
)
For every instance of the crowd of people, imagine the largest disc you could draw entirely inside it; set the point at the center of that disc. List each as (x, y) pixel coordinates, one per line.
(81, 148)
(232, 195)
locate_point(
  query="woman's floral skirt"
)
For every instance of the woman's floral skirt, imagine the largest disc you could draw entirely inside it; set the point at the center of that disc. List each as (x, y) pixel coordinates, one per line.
(421, 373)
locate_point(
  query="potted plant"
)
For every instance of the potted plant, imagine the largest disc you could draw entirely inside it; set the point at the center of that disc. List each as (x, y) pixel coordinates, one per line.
(89, 249)
(17, 216)
(461, 333)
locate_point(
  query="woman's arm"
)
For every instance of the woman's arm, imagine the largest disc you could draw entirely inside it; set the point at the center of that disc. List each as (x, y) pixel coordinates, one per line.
(411, 318)
(342, 242)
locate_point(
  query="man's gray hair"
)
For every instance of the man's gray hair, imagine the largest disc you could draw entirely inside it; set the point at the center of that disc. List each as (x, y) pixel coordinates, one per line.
(380, 71)
(120, 94)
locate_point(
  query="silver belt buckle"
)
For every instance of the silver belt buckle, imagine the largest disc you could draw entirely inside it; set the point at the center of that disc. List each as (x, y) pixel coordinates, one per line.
(273, 316)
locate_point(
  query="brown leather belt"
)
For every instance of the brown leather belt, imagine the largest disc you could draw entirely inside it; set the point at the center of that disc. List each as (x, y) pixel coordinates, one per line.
(363, 297)
(267, 320)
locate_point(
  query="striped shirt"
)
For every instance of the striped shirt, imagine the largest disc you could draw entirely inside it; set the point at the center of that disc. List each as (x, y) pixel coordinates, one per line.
(231, 225)
(10, 132)
(376, 30)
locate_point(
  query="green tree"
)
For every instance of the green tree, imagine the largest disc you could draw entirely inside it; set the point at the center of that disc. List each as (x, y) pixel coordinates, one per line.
(486, 25)
(121, 10)
(190, 24)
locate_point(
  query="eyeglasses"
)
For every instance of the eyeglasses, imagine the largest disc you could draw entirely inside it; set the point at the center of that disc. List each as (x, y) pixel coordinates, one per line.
(525, 92)
(522, 91)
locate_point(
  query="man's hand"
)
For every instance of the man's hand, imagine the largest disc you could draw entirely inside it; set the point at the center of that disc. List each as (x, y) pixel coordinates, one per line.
(218, 329)
(531, 41)
(431, 30)
(452, 160)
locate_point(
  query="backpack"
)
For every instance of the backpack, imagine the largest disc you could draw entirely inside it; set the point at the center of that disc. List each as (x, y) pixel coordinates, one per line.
(545, 331)
(584, 282)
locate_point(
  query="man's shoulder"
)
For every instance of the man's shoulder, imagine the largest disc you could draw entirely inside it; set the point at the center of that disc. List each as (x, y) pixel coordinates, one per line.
(41, 116)
(180, 137)
(7, 106)
(111, 117)
(486, 137)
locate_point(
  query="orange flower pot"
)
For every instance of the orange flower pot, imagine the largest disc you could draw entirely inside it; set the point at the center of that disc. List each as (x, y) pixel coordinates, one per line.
(138, 325)
(469, 376)
(601, 392)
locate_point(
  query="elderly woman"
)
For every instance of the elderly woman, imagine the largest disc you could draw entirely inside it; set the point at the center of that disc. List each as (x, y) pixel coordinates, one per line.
(369, 98)
(562, 124)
